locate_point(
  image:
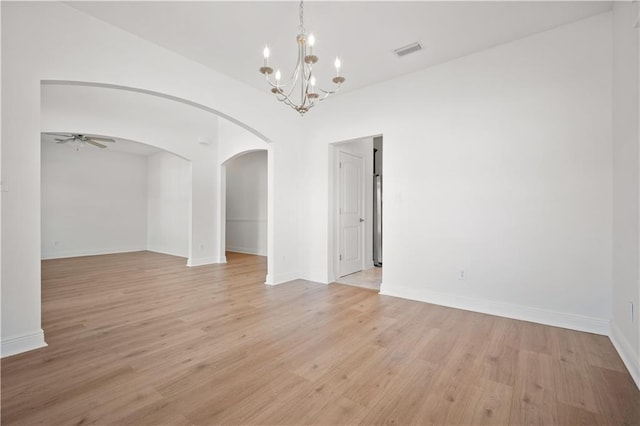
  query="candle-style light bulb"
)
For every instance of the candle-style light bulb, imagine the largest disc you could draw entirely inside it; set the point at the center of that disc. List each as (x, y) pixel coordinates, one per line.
(338, 64)
(278, 76)
(312, 41)
(311, 90)
(266, 53)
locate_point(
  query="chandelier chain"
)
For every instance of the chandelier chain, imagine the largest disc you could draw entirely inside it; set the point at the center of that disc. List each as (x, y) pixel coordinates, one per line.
(301, 27)
(302, 77)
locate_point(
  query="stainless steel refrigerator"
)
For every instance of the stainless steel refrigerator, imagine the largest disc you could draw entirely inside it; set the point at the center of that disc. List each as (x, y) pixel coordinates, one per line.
(377, 220)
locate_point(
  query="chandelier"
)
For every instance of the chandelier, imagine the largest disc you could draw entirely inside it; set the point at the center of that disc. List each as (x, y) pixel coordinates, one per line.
(300, 91)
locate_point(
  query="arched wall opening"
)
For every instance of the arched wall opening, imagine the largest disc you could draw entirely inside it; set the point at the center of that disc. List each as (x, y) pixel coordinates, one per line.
(157, 94)
(244, 202)
(164, 122)
(53, 42)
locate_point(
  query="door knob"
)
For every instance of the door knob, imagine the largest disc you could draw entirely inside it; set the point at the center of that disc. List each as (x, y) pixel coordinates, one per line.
(361, 220)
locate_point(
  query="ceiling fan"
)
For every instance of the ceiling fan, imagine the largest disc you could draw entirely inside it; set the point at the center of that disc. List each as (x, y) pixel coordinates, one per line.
(80, 139)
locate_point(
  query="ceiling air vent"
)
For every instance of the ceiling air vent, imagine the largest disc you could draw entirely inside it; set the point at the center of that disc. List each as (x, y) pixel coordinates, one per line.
(405, 50)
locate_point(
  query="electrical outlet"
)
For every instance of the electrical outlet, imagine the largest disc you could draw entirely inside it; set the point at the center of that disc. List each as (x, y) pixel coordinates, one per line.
(462, 274)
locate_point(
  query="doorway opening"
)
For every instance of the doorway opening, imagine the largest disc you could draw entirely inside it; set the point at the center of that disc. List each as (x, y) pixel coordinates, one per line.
(356, 219)
(126, 197)
(245, 204)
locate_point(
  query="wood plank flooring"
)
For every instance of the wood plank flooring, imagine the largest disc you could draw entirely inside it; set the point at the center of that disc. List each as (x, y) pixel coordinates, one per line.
(141, 339)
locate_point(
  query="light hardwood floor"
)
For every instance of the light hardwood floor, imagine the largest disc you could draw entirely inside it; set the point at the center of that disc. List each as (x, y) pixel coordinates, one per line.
(140, 339)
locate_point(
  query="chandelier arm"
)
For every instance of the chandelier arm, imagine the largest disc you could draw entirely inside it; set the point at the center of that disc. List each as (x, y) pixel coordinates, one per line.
(324, 97)
(294, 74)
(330, 92)
(282, 97)
(326, 94)
(299, 108)
(301, 66)
(305, 101)
(296, 70)
(302, 75)
(281, 86)
(266, 77)
(287, 101)
(320, 99)
(308, 72)
(292, 80)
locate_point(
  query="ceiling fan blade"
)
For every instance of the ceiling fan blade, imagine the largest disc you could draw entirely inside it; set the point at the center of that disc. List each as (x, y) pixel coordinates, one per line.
(99, 145)
(66, 135)
(64, 140)
(96, 138)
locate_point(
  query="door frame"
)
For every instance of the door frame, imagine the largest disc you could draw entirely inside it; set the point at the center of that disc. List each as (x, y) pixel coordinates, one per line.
(333, 246)
(221, 226)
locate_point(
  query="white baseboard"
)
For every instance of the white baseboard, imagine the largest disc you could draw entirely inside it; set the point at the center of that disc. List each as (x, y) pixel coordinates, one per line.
(170, 252)
(89, 252)
(247, 250)
(630, 358)
(17, 345)
(206, 261)
(280, 278)
(502, 309)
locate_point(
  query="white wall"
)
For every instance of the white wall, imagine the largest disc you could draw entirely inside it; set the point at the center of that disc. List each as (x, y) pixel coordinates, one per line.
(497, 163)
(246, 203)
(233, 140)
(51, 41)
(103, 201)
(93, 201)
(168, 204)
(626, 189)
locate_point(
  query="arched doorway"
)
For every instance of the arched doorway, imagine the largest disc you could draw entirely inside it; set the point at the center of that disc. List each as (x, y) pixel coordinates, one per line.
(195, 132)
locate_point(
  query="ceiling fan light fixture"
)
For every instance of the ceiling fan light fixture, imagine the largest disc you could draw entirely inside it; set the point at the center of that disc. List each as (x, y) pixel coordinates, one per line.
(80, 140)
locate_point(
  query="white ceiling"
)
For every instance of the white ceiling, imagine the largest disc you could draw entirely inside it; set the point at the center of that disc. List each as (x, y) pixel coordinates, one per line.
(120, 145)
(229, 36)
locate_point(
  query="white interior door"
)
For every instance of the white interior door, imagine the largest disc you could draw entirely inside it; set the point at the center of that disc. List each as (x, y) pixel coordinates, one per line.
(350, 213)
